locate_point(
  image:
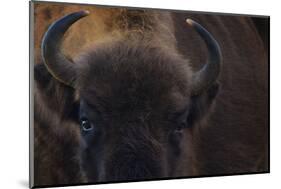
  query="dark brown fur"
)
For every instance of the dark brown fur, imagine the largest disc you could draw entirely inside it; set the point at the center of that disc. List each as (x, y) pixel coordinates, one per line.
(231, 139)
(238, 128)
(55, 156)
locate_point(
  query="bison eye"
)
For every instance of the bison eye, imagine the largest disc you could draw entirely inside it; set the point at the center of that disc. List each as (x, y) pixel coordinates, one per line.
(181, 126)
(86, 125)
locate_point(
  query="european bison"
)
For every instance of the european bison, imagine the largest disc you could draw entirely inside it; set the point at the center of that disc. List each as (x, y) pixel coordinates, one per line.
(158, 97)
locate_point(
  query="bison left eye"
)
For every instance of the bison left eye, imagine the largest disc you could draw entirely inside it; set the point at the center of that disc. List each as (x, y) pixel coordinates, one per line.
(181, 125)
(86, 125)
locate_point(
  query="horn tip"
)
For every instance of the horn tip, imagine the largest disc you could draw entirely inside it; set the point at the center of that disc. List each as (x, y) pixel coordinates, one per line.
(86, 12)
(189, 21)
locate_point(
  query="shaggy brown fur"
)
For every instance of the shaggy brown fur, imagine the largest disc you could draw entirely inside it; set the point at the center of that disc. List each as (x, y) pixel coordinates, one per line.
(56, 160)
(231, 139)
(235, 138)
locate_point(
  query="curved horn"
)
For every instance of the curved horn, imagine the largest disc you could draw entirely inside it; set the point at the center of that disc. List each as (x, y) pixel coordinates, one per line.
(57, 64)
(205, 77)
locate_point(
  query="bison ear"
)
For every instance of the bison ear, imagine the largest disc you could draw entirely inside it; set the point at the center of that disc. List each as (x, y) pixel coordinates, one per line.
(200, 104)
(56, 96)
(41, 75)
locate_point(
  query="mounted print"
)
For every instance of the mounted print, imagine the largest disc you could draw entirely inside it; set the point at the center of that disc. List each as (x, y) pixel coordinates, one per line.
(121, 94)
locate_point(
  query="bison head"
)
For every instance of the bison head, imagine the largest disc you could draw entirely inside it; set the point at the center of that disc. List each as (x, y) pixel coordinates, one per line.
(139, 103)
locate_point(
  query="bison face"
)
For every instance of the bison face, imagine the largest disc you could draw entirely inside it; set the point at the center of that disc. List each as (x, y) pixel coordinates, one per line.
(133, 108)
(138, 103)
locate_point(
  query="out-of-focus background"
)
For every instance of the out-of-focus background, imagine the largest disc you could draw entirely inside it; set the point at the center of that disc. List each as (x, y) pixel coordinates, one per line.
(93, 25)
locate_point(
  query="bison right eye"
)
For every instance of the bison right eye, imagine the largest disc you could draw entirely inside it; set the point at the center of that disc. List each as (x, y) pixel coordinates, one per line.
(86, 125)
